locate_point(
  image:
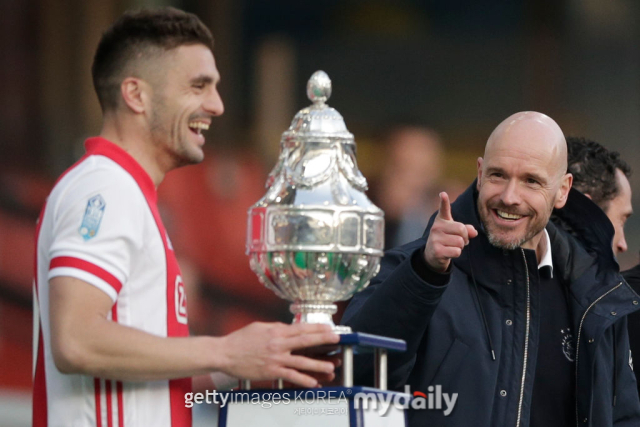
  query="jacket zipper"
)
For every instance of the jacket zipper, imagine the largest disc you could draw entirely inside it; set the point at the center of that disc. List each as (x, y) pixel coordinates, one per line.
(526, 342)
(578, 341)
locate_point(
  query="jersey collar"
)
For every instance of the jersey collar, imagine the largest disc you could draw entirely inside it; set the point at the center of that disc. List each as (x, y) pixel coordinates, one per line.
(103, 147)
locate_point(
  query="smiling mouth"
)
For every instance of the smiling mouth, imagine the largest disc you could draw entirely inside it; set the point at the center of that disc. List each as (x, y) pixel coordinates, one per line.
(198, 127)
(507, 216)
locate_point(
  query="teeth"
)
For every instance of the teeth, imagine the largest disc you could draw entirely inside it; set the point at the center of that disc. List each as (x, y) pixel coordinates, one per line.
(199, 126)
(506, 215)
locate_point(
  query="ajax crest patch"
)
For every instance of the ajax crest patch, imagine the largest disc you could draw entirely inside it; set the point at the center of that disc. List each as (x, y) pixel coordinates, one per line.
(568, 347)
(92, 217)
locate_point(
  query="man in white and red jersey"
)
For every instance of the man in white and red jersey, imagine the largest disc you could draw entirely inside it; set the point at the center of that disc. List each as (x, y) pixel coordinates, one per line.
(113, 346)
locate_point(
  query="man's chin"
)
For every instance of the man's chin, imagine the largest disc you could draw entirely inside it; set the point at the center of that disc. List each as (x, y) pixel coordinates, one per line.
(505, 244)
(190, 159)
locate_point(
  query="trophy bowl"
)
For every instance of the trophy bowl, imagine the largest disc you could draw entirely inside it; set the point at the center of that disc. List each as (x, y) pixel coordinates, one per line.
(315, 238)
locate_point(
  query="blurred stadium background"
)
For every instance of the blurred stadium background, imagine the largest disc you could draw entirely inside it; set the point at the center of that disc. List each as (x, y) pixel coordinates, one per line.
(457, 67)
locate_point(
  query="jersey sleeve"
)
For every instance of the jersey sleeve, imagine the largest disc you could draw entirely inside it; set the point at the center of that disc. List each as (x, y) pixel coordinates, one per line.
(98, 230)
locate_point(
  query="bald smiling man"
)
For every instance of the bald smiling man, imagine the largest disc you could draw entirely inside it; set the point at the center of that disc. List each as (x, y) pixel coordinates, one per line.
(521, 323)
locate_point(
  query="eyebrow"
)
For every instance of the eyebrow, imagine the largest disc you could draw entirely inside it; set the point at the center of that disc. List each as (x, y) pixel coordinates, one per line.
(533, 175)
(537, 177)
(202, 79)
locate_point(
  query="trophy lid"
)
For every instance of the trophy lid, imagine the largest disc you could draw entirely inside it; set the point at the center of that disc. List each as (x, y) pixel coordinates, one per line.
(318, 122)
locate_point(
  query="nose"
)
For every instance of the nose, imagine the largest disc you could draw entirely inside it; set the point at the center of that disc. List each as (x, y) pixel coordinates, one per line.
(621, 246)
(510, 195)
(213, 104)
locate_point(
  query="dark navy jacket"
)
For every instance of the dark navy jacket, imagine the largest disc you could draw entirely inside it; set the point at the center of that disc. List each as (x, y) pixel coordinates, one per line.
(449, 345)
(632, 276)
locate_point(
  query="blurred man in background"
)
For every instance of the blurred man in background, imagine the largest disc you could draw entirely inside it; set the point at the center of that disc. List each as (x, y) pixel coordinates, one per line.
(111, 312)
(412, 172)
(602, 176)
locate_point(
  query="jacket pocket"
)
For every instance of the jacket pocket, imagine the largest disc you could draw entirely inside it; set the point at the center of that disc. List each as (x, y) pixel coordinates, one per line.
(449, 368)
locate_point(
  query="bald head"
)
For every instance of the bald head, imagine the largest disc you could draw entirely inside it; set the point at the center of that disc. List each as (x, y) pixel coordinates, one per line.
(534, 132)
(521, 179)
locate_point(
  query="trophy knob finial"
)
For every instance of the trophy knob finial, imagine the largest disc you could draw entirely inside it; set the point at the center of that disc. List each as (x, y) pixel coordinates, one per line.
(319, 87)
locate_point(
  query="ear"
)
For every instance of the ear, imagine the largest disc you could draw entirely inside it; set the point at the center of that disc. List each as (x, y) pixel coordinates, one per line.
(563, 191)
(133, 92)
(480, 160)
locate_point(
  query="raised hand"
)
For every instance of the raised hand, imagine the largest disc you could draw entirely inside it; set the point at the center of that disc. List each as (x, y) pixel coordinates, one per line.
(447, 237)
(262, 351)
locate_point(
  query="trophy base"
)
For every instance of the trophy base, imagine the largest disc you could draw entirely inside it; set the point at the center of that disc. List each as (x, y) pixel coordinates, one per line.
(305, 312)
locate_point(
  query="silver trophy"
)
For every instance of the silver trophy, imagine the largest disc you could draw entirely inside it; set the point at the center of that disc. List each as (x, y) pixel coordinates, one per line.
(315, 237)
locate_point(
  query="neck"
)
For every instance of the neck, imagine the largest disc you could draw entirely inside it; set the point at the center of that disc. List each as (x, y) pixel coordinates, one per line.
(138, 145)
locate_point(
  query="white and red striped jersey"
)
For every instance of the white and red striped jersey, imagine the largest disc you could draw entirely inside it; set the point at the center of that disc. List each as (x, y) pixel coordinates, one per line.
(101, 225)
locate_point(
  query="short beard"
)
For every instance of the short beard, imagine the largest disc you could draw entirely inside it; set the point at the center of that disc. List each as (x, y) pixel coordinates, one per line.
(502, 245)
(510, 245)
(161, 132)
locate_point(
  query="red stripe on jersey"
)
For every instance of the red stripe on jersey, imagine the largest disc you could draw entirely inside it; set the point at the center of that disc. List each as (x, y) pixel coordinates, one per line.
(120, 404)
(180, 415)
(96, 388)
(39, 411)
(176, 327)
(114, 317)
(66, 261)
(107, 385)
(39, 401)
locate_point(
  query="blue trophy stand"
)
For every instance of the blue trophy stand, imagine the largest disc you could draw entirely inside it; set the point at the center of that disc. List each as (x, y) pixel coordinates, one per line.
(341, 406)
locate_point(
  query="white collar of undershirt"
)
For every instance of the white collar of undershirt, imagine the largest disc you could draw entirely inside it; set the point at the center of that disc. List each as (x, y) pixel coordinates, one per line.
(546, 258)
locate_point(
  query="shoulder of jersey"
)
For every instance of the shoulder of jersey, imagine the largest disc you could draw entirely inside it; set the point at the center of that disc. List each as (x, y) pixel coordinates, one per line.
(95, 174)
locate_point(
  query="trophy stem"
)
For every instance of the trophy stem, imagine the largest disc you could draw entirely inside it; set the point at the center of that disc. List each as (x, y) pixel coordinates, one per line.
(317, 313)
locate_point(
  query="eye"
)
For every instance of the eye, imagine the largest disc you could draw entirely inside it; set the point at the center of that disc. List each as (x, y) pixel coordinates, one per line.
(199, 86)
(533, 181)
(496, 175)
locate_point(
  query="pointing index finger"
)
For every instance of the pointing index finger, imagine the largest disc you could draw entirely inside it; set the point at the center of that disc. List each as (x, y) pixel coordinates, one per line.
(444, 210)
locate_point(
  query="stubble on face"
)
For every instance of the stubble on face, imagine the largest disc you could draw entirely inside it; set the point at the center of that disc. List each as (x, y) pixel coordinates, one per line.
(503, 240)
(167, 127)
(171, 108)
(167, 132)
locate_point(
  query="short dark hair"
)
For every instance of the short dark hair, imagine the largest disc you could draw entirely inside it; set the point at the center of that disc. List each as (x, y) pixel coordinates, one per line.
(594, 169)
(135, 35)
